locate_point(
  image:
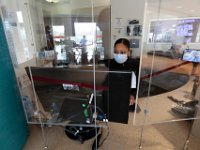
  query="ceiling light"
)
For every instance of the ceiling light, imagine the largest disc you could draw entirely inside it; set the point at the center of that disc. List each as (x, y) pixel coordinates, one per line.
(179, 7)
(52, 1)
(20, 17)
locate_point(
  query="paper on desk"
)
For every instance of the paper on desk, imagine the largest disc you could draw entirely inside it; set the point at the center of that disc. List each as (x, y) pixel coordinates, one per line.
(133, 80)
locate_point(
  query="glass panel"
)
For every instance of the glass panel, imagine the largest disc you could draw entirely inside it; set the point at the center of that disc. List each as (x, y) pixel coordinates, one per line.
(61, 52)
(10, 100)
(169, 76)
(166, 136)
(57, 48)
(169, 65)
(21, 41)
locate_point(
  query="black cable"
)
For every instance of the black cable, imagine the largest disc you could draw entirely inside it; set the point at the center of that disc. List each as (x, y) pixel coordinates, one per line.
(98, 108)
(77, 114)
(82, 111)
(98, 137)
(108, 133)
(96, 143)
(86, 131)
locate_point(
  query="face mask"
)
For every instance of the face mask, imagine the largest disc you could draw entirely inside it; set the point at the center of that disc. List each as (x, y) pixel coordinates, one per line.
(120, 58)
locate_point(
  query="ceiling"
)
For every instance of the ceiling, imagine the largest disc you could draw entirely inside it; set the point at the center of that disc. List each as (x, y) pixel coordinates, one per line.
(68, 7)
(180, 7)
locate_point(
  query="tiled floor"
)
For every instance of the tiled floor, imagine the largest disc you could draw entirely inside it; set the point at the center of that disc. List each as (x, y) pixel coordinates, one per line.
(162, 136)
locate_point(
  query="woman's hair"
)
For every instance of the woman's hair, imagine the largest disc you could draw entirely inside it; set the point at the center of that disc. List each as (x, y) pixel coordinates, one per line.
(123, 41)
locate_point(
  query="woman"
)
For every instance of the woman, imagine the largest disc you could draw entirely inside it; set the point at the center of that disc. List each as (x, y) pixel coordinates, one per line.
(123, 62)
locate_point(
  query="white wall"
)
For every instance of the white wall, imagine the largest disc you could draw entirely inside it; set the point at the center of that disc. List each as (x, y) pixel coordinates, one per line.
(126, 10)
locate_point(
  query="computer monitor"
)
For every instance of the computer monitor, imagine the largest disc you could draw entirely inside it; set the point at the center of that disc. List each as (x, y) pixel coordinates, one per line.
(191, 55)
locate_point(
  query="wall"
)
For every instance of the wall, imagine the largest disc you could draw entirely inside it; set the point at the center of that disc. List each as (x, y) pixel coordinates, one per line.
(126, 10)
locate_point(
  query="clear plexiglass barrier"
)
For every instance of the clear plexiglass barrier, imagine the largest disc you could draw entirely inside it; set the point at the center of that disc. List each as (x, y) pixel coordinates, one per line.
(62, 52)
(169, 75)
(79, 96)
(58, 53)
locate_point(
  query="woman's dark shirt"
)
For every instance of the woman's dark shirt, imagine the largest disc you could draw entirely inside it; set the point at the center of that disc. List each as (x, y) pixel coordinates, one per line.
(129, 65)
(119, 83)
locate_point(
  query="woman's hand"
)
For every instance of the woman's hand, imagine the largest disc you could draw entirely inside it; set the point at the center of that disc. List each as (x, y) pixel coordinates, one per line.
(132, 100)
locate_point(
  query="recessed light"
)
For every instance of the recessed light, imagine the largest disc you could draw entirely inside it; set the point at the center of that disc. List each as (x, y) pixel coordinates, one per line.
(52, 1)
(20, 17)
(179, 7)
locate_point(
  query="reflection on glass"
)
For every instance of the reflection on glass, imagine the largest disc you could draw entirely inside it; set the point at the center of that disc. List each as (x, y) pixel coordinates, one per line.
(68, 29)
(48, 35)
(169, 65)
(174, 30)
(67, 94)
